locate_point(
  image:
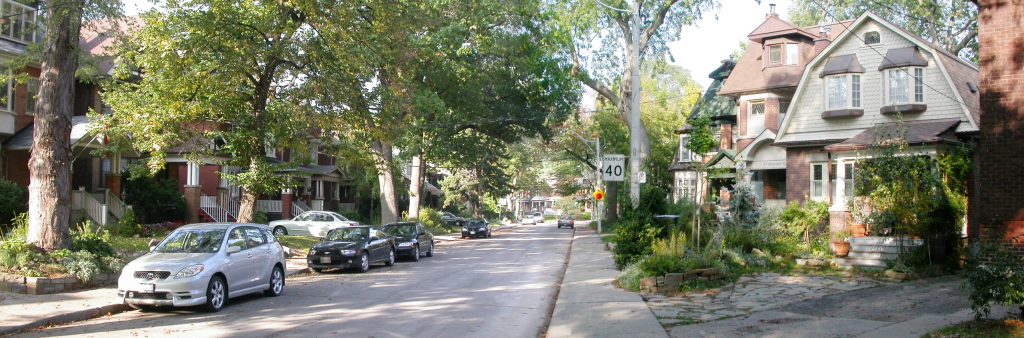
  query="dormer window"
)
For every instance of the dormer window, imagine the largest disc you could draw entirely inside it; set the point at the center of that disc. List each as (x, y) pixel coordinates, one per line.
(783, 53)
(871, 38)
(842, 91)
(904, 85)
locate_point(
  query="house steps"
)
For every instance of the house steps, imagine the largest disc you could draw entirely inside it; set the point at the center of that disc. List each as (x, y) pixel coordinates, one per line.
(873, 253)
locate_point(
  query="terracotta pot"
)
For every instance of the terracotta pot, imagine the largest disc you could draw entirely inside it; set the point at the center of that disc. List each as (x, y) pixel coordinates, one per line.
(858, 230)
(842, 248)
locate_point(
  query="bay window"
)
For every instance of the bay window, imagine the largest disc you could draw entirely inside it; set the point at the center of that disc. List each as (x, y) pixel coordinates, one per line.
(904, 85)
(783, 54)
(842, 91)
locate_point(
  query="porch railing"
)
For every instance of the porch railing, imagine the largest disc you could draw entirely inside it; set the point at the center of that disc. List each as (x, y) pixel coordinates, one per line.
(269, 206)
(299, 207)
(115, 205)
(213, 209)
(82, 200)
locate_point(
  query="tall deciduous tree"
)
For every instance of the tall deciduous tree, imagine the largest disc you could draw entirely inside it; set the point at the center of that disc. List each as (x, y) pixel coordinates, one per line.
(215, 80)
(602, 66)
(951, 24)
(49, 200)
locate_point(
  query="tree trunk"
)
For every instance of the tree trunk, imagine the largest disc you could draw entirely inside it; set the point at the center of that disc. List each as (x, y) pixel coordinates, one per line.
(49, 167)
(247, 208)
(416, 184)
(611, 197)
(384, 161)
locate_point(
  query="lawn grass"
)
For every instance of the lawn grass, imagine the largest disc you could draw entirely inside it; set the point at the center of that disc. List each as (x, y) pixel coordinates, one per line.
(989, 328)
(298, 243)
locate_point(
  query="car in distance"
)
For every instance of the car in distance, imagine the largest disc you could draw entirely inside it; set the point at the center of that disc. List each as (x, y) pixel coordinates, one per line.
(566, 221)
(538, 217)
(412, 240)
(352, 247)
(311, 223)
(451, 220)
(527, 220)
(476, 228)
(205, 264)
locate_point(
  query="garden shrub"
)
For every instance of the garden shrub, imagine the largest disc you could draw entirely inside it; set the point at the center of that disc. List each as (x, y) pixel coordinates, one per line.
(633, 238)
(128, 225)
(744, 207)
(431, 219)
(630, 276)
(260, 218)
(154, 199)
(95, 240)
(81, 264)
(994, 275)
(804, 221)
(12, 200)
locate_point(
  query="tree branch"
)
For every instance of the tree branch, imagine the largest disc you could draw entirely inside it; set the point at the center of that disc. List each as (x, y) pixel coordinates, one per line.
(579, 157)
(963, 42)
(659, 19)
(600, 88)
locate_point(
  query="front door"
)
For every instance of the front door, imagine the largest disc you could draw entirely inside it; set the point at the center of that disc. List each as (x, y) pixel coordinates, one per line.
(239, 268)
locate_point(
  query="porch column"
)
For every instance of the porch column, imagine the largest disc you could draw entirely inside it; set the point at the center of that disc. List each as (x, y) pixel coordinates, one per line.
(306, 196)
(320, 189)
(193, 194)
(837, 211)
(287, 195)
(114, 179)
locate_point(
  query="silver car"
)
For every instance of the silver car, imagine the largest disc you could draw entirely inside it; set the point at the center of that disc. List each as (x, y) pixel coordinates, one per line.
(205, 264)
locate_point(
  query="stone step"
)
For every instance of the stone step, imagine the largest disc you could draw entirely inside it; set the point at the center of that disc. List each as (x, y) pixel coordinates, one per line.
(877, 255)
(885, 241)
(861, 263)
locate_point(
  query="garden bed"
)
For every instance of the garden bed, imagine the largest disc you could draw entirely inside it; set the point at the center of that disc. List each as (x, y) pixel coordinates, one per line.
(48, 285)
(671, 282)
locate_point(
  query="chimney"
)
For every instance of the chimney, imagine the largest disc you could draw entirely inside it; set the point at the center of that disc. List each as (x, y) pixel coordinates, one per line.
(771, 11)
(824, 39)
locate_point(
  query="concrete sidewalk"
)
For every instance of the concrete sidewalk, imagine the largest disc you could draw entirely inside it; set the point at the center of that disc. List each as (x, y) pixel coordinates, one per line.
(20, 312)
(588, 305)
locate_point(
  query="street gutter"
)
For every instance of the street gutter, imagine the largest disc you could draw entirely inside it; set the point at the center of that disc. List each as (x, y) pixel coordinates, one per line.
(558, 288)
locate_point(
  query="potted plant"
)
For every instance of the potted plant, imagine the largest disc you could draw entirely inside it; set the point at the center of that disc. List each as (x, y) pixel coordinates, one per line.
(841, 243)
(858, 218)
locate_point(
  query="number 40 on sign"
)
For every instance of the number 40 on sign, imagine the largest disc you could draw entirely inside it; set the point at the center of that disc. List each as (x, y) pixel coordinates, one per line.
(613, 167)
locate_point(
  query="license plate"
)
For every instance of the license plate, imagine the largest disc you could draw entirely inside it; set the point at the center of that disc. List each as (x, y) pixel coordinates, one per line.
(472, 232)
(147, 287)
(325, 260)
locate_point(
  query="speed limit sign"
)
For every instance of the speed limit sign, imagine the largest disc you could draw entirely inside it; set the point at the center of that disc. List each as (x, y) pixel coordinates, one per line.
(613, 167)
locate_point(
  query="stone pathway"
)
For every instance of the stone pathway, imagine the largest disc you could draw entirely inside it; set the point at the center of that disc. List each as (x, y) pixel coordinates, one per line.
(749, 294)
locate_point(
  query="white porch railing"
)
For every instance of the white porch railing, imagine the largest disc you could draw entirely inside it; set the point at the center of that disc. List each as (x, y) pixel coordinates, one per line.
(298, 207)
(82, 200)
(268, 205)
(213, 209)
(115, 205)
(318, 205)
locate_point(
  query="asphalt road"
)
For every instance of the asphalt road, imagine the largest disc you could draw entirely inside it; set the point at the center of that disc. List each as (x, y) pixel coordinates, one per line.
(503, 286)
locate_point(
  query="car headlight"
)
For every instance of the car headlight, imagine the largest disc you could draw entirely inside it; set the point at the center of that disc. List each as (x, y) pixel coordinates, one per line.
(312, 252)
(347, 252)
(189, 271)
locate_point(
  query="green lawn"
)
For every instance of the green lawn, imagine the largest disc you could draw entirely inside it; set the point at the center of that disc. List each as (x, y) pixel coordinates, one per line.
(299, 243)
(988, 328)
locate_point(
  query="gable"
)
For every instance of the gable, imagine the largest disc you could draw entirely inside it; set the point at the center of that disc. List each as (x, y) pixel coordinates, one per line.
(804, 122)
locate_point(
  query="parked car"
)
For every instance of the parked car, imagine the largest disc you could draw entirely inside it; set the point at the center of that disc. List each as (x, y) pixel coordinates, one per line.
(476, 228)
(412, 240)
(451, 220)
(538, 217)
(205, 264)
(566, 221)
(311, 223)
(352, 247)
(527, 220)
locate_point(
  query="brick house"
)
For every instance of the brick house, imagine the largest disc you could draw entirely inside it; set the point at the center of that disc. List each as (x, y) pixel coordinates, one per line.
(762, 84)
(722, 111)
(865, 82)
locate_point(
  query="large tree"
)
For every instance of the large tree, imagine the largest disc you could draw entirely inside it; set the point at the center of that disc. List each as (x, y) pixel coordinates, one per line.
(607, 67)
(951, 24)
(216, 78)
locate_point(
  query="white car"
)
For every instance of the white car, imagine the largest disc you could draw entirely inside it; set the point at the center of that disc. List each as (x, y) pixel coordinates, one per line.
(205, 264)
(538, 218)
(311, 223)
(527, 220)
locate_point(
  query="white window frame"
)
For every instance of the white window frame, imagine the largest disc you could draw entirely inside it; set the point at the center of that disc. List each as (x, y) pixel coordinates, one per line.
(848, 181)
(824, 181)
(750, 113)
(914, 90)
(23, 18)
(31, 99)
(854, 89)
(792, 56)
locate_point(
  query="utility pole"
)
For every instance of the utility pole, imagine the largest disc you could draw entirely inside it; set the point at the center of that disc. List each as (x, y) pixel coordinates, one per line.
(635, 140)
(600, 185)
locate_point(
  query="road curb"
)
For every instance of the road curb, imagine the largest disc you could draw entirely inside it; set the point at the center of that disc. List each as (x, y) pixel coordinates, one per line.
(86, 314)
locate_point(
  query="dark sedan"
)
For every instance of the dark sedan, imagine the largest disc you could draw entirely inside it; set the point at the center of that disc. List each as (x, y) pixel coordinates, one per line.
(476, 228)
(566, 222)
(352, 248)
(412, 239)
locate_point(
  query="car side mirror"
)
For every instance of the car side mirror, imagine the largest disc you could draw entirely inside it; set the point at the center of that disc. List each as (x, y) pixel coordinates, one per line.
(233, 249)
(152, 244)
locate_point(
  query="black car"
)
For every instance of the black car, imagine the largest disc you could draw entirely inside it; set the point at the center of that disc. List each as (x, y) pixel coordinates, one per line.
(352, 247)
(476, 228)
(566, 222)
(452, 221)
(412, 240)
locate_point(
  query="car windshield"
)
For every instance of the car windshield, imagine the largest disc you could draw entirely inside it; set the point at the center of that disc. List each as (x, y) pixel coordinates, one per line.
(477, 222)
(348, 234)
(192, 241)
(566, 217)
(400, 229)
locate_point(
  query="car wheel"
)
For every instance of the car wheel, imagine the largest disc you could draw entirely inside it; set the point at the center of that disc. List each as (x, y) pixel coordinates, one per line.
(318, 270)
(391, 258)
(276, 283)
(280, 231)
(216, 294)
(430, 251)
(364, 262)
(416, 253)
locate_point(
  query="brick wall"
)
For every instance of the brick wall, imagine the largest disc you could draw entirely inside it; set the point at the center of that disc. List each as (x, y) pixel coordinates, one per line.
(16, 167)
(798, 171)
(997, 207)
(820, 44)
(771, 115)
(741, 119)
(726, 136)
